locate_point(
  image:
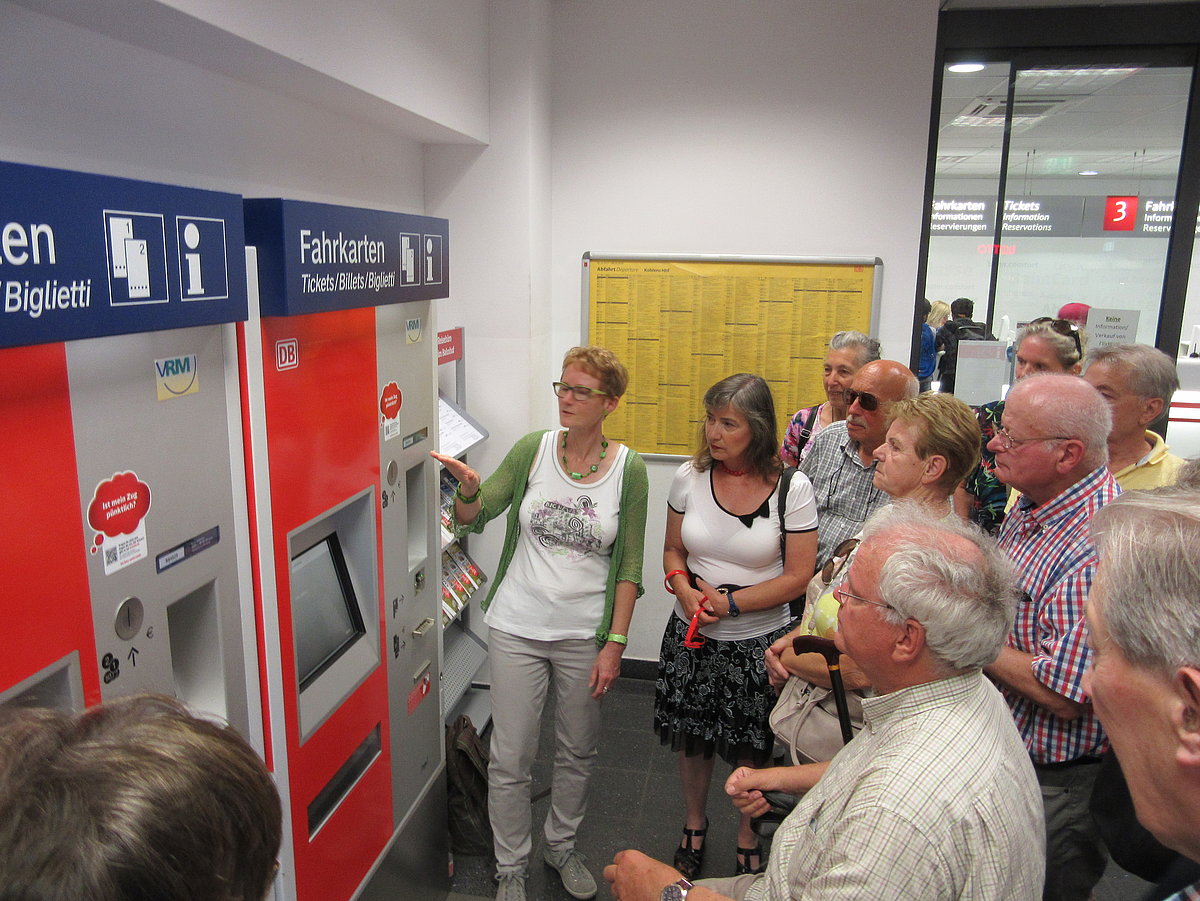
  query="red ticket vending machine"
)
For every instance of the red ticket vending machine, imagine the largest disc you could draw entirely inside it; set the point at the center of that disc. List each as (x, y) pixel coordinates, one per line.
(340, 379)
(125, 548)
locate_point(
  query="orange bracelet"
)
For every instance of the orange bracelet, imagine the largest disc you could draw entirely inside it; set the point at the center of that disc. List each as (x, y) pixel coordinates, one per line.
(667, 578)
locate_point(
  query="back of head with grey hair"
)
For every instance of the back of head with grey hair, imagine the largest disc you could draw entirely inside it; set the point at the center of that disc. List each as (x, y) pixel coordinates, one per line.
(868, 348)
(1066, 405)
(1150, 576)
(950, 577)
(1148, 371)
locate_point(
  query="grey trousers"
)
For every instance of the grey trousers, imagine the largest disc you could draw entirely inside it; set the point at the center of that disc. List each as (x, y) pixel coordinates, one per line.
(521, 670)
(1075, 853)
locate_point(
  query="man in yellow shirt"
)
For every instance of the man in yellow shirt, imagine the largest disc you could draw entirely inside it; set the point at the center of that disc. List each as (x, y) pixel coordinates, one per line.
(1138, 382)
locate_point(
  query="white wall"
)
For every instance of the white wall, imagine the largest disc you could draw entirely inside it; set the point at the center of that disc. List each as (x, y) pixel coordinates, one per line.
(138, 106)
(497, 201)
(769, 127)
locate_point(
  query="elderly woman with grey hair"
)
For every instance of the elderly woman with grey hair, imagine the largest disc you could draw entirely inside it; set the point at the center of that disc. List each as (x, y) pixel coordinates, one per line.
(848, 352)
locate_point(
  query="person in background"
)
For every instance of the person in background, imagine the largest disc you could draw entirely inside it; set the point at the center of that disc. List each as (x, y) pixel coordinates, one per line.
(1052, 448)
(927, 361)
(841, 465)
(939, 312)
(960, 327)
(848, 352)
(560, 605)
(1144, 629)
(1075, 313)
(936, 800)
(734, 560)
(1138, 381)
(134, 799)
(1044, 345)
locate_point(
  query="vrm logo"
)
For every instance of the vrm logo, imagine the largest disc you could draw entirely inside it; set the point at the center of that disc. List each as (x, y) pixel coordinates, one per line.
(412, 331)
(287, 354)
(177, 376)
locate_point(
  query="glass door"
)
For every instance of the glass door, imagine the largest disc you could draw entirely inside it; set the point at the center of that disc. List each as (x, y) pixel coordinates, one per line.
(1054, 185)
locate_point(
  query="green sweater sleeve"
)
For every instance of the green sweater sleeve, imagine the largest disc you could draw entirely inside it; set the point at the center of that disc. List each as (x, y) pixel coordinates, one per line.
(634, 501)
(497, 492)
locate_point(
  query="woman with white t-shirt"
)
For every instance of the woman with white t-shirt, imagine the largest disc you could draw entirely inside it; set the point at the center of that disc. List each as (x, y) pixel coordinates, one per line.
(722, 558)
(560, 604)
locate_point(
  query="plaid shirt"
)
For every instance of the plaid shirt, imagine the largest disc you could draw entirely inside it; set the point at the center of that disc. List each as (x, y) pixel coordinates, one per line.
(1052, 548)
(843, 487)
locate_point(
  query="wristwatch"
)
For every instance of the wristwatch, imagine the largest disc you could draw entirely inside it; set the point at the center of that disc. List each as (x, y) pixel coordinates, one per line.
(733, 607)
(676, 891)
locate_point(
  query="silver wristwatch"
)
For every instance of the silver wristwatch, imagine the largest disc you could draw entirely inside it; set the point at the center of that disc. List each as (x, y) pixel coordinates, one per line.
(676, 891)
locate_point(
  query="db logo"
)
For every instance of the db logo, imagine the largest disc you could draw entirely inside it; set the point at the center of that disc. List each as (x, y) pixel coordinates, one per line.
(287, 354)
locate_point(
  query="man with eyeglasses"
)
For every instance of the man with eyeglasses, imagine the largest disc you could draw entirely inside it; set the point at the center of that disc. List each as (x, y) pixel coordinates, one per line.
(935, 799)
(840, 463)
(1052, 447)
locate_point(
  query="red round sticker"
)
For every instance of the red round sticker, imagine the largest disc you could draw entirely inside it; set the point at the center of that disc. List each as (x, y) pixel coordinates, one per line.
(119, 505)
(390, 401)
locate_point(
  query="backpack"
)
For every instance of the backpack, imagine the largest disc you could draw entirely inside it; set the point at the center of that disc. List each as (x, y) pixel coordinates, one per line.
(466, 789)
(968, 330)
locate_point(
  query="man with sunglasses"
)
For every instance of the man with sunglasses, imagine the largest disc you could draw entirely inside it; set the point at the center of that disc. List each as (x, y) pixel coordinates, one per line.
(841, 465)
(936, 799)
(1052, 447)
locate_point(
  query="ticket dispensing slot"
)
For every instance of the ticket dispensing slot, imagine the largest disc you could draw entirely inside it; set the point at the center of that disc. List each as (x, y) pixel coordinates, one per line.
(194, 633)
(339, 785)
(334, 593)
(59, 686)
(418, 516)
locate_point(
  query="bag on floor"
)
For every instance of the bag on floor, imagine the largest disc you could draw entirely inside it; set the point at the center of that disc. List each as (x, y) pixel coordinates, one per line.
(466, 789)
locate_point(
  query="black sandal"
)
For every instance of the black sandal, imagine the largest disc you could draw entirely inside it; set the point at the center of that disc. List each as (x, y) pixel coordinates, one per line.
(689, 860)
(743, 861)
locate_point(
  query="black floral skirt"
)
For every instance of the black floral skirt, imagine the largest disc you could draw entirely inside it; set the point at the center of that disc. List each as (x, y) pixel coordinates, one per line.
(715, 698)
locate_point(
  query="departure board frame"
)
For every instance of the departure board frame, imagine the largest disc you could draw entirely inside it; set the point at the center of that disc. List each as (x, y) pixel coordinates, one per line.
(680, 323)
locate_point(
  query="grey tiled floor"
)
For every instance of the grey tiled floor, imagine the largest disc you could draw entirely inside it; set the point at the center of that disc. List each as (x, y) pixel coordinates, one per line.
(636, 803)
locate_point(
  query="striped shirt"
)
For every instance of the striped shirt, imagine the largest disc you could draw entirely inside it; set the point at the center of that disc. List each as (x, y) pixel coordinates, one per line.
(1190, 893)
(935, 799)
(1052, 547)
(843, 487)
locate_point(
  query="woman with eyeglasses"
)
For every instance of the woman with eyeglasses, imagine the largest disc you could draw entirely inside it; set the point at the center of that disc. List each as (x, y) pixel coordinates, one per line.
(734, 560)
(1044, 345)
(560, 605)
(932, 442)
(849, 352)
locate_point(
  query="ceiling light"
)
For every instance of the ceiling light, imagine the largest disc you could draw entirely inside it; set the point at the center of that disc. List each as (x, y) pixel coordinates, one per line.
(966, 67)
(1089, 172)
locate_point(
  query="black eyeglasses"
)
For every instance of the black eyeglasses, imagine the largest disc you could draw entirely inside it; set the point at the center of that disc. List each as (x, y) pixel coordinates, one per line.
(1064, 328)
(580, 391)
(868, 402)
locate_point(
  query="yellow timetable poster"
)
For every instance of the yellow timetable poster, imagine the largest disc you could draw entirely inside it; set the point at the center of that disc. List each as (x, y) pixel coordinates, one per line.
(680, 325)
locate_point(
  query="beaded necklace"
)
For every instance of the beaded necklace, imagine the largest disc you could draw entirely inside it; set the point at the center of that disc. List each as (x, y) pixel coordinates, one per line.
(579, 475)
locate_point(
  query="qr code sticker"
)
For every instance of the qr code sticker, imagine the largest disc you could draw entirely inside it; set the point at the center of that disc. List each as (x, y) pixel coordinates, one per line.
(110, 556)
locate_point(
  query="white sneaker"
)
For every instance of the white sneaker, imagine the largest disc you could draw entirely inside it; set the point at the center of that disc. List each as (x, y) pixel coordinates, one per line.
(575, 876)
(512, 888)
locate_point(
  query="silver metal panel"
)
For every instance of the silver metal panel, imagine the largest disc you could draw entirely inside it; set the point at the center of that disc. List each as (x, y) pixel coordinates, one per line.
(191, 638)
(406, 344)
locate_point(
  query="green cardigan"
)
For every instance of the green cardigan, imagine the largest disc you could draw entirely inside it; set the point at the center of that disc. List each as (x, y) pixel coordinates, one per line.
(505, 488)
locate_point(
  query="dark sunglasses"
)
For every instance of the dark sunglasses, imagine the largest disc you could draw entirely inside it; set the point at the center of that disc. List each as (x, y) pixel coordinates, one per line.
(1064, 328)
(868, 402)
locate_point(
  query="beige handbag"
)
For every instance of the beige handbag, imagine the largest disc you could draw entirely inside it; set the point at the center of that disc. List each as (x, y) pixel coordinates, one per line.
(804, 719)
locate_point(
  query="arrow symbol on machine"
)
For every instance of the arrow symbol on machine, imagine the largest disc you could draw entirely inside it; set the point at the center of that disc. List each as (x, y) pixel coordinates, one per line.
(133, 652)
